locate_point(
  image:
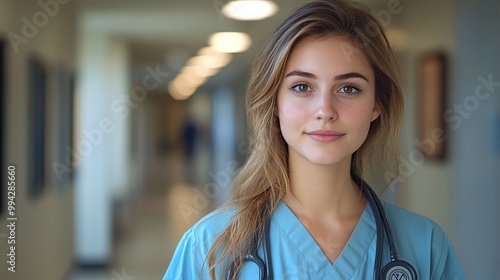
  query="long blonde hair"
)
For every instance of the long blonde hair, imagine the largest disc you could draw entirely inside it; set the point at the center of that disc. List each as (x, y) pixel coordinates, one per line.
(263, 180)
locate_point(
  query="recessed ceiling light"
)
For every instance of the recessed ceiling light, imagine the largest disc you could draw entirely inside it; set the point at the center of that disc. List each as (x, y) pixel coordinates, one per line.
(199, 70)
(209, 58)
(230, 42)
(249, 9)
(180, 91)
(191, 80)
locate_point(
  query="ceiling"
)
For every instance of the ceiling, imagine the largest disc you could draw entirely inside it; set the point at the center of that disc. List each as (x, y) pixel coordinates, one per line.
(171, 31)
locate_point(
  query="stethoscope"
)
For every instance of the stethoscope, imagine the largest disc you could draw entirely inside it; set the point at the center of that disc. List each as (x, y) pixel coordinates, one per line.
(395, 269)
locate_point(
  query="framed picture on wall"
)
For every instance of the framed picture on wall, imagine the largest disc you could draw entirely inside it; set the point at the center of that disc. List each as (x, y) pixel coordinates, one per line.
(2, 122)
(37, 104)
(63, 168)
(431, 105)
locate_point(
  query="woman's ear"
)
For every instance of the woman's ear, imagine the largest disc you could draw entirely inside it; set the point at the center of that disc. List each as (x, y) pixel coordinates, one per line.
(376, 112)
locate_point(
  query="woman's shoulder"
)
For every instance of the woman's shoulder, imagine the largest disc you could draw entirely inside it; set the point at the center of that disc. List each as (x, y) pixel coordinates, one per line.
(188, 261)
(211, 225)
(408, 219)
(411, 224)
(419, 238)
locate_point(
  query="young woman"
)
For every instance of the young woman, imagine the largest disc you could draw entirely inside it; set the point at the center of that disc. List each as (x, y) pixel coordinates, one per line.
(323, 94)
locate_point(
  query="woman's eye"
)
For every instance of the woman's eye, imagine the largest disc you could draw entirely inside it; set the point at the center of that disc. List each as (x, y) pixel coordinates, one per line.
(349, 90)
(301, 88)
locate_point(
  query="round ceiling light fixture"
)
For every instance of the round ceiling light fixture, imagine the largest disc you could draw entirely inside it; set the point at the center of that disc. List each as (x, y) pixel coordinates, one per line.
(249, 9)
(230, 42)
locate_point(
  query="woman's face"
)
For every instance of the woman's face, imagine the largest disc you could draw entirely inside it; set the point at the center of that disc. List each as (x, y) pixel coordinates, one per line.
(326, 101)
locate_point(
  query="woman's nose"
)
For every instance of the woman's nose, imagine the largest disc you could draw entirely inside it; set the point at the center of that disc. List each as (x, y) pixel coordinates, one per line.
(325, 109)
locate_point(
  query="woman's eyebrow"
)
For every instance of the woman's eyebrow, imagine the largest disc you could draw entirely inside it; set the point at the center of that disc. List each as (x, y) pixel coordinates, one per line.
(338, 77)
(349, 76)
(302, 74)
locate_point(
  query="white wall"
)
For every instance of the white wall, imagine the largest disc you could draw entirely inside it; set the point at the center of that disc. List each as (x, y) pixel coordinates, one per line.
(44, 230)
(428, 187)
(93, 194)
(477, 177)
(119, 72)
(224, 141)
(102, 141)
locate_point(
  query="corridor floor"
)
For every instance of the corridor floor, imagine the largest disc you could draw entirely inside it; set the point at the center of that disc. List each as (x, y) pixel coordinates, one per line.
(144, 248)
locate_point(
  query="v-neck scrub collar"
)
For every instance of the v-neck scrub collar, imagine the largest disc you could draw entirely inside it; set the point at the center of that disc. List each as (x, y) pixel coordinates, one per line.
(294, 232)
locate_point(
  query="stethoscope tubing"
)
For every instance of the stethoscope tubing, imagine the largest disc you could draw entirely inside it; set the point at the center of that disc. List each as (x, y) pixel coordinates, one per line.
(382, 223)
(265, 267)
(381, 220)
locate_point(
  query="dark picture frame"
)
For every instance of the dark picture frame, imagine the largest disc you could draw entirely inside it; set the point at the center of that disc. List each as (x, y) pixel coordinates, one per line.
(3, 118)
(66, 84)
(431, 104)
(37, 104)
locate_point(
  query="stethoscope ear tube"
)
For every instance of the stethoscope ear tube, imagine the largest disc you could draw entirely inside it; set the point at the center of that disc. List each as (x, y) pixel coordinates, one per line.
(266, 266)
(267, 251)
(367, 191)
(395, 269)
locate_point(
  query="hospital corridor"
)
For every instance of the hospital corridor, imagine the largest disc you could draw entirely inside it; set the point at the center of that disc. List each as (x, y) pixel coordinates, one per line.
(123, 123)
(145, 247)
(170, 200)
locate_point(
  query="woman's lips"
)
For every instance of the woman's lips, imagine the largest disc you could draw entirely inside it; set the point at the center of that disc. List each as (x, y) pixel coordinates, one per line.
(324, 136)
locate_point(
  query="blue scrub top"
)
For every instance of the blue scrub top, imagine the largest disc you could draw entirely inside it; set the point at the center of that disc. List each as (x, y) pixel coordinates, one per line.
(296, 255)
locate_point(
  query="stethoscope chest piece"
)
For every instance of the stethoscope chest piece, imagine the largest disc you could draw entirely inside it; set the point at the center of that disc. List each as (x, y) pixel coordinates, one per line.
(398, 270)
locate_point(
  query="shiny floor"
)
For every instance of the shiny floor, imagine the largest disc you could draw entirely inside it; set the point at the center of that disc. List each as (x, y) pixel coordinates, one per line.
(155, 217)
(144, 248)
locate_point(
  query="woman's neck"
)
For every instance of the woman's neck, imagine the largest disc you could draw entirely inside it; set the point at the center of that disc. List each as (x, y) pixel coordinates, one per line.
(322, 191)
